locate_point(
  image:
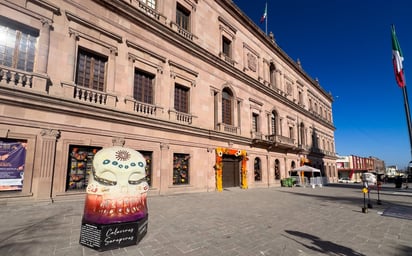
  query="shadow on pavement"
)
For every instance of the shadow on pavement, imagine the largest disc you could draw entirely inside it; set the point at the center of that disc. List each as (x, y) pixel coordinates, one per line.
(398, 211)
(354, 200)
(322, 246)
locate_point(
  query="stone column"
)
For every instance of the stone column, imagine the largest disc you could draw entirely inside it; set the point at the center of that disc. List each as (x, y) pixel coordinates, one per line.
(71, 61)
(165, 168)
(43, 47)
(44, 164)
(111, 70)
(278, 82)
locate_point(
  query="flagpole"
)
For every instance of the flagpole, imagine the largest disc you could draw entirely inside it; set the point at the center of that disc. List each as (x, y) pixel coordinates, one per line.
(397, 59)
(408, 116)
(266, 29)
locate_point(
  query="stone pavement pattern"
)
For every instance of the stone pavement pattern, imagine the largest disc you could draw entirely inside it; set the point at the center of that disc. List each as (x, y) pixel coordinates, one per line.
(253, 222)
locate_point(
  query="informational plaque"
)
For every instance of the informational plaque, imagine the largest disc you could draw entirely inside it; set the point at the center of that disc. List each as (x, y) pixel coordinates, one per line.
(102, 237)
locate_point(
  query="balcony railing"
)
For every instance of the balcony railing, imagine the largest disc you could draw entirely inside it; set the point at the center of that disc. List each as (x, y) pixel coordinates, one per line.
(23, 80)
(281, 139)
(180, 117)
(227, 128)
(16, 77)
(86, 95)
(227, 58)
(141, 107)
(256, 135)
(184, 33)
(148, 10)
(89, 95)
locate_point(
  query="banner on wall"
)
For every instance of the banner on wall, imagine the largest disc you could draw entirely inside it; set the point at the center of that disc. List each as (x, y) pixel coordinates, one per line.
(12, 160)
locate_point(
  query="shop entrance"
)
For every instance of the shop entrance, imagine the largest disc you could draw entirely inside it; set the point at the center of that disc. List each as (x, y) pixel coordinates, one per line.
(230, 171)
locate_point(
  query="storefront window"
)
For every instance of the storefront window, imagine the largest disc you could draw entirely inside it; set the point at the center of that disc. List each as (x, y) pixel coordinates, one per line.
(12, 161)
(148, 156)
(80, 166)
(181, 169)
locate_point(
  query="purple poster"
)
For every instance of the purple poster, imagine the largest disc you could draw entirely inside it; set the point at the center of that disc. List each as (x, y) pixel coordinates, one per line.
(12, 159)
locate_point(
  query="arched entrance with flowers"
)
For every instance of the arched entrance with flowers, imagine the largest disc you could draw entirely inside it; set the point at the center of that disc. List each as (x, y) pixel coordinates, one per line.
(228, 162)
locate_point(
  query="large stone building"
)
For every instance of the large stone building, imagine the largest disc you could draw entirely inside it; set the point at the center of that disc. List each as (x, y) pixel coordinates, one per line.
(208, 98)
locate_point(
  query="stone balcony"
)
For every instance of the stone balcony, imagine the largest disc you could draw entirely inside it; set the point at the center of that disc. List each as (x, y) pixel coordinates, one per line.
(222, 127)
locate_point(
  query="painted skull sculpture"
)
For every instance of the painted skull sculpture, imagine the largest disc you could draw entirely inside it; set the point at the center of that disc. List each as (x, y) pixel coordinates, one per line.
(117, 187)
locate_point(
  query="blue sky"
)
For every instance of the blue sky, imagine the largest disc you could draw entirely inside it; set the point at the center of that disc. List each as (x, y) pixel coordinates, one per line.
(346, 44)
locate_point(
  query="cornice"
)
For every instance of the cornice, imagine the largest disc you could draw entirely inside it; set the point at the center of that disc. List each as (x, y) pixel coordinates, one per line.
(47, 5)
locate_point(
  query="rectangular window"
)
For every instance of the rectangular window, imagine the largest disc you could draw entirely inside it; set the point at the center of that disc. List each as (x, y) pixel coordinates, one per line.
(143, 87)
(17, 48)
(148, 155)
(255, 120)
(90, 72)
(150, 3)
(226, 110)
(80, 166)
(226, 46)
(215, 108)
(182, 17)
(273, 124)
(181, 98)
(181, 169)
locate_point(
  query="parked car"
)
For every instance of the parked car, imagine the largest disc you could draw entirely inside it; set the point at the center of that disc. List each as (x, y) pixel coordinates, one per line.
(345, 180)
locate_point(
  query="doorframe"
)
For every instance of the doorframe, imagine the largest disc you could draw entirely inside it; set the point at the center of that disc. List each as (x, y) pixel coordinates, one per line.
(219, 166)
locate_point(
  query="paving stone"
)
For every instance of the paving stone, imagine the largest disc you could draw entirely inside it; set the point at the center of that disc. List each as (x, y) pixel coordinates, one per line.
(235, 222)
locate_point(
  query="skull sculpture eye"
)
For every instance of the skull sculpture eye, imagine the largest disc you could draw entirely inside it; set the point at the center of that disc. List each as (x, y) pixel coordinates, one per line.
(106, 178)
(136, 178)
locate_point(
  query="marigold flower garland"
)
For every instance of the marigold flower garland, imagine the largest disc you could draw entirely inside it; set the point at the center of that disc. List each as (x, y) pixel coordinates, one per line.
(219, 166)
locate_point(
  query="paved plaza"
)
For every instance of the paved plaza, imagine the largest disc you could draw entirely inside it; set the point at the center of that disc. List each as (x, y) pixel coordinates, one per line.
(254, 222)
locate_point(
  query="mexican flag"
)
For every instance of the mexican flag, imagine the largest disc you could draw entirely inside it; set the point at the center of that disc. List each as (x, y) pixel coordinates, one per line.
(397, 59)
(265, 14)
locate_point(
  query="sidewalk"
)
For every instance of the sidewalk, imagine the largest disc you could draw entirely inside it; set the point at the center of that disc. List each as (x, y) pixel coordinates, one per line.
(235, 222)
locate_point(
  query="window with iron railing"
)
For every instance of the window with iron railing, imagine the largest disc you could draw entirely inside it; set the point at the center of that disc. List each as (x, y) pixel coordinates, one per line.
(181, 169)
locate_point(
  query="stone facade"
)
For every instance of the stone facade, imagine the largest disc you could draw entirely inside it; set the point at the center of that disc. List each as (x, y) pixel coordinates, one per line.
(213, 83)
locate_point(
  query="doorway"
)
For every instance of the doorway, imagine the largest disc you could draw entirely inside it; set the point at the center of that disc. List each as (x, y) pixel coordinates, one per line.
(231, 171)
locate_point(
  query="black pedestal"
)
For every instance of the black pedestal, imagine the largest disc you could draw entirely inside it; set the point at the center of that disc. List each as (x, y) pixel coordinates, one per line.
(102, 237)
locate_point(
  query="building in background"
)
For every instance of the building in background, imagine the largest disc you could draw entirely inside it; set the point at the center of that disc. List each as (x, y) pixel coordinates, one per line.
(209, 99)
(352, 167)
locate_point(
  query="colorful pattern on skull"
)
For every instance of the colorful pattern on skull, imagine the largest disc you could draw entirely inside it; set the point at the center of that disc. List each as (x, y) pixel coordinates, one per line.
(117, 187)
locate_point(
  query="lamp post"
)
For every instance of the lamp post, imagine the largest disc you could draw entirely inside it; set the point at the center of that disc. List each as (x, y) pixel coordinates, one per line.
(379, 188)
(365, 184)
(364, 208)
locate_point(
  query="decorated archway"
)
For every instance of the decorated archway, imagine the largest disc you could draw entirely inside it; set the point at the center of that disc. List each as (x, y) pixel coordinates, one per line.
(219, 166)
